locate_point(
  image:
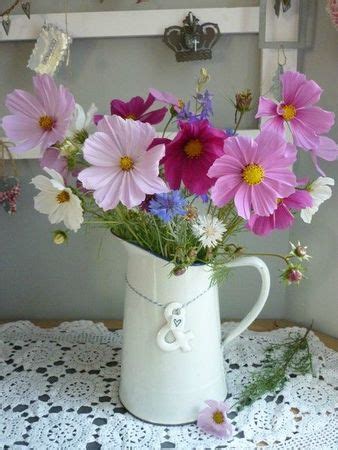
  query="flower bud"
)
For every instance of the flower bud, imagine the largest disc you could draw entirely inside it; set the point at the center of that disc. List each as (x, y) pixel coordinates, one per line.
(59, 237)
(293, 274)
(192, 253)
(300, 251)
(192, 213)
(203, 79)
(243, 101)
(179, 271)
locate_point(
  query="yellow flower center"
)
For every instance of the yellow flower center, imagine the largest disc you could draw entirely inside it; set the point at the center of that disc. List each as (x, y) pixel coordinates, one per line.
(218, 417)
(193, 148)
(63, 197)
(289, 112)
(131, 116)
(253, 174)
(279, 201)
(46, 122)
(126, 163)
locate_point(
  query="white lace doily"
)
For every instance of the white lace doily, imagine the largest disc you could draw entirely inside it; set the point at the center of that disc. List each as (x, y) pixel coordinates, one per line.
(59, 390)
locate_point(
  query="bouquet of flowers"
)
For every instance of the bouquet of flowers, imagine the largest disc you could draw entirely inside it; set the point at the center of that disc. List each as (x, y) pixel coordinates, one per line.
(182, 197)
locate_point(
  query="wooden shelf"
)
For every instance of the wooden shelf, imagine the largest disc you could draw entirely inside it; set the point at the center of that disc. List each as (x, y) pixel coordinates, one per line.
(258, 325)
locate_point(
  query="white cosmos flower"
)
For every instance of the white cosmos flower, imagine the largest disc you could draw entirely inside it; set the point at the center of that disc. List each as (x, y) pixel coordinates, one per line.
(209, 230)
(320, 192)
(57, 200)
(81, 120)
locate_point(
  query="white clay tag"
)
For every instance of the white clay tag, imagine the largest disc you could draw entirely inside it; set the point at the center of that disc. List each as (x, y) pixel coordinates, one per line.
(174, 314)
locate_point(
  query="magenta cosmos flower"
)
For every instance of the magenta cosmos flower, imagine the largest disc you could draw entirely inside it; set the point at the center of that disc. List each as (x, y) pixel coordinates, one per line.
(122, 169)
(253, 172)
(213, 419)
(41, 119)
(136, 109)
(296, 109)
(191, 153)
(282, 217)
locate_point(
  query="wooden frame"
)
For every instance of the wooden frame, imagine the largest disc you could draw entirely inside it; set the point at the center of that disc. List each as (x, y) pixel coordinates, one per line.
(153, 22)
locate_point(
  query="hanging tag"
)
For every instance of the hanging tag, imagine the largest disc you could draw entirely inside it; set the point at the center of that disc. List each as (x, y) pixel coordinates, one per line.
(26, 7)
(276, 87)
(50, 49)
(174, 314)
(6, 23)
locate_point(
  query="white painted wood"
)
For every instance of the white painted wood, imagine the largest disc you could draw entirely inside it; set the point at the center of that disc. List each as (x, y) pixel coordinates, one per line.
(35, 153)
(132, 23)
(284, 28)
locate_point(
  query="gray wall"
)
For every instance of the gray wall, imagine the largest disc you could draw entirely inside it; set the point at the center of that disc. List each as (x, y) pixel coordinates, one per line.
(84, 279)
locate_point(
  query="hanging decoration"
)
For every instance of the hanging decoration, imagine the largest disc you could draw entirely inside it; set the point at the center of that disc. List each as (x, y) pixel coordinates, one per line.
(192, 41)
(9, 183)
(5, 15)
(332, 9)
(284, 4)
(50, 50)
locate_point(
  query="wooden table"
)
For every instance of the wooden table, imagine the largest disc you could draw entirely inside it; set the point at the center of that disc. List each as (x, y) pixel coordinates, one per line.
(258, 325)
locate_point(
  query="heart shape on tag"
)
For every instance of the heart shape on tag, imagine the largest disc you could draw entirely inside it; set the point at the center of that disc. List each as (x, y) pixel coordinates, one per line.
(177, 322)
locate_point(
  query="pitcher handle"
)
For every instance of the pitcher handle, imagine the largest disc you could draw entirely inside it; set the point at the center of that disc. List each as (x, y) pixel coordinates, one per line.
(251, 261)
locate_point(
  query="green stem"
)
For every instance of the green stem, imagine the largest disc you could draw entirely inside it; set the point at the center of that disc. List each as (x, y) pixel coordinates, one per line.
(167, 125)
(158, 236)
(284, 258)
(126, 224)
(239, 121)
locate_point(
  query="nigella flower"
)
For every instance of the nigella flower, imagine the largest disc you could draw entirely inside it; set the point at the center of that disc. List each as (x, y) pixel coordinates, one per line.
(282, 217)
(191, 153)
(209, 230)
(122, 169)
(39, 120)
(136, 109)
(296, 109)
(168, 205)
(57, 200)
(254, 173)
(213, 420)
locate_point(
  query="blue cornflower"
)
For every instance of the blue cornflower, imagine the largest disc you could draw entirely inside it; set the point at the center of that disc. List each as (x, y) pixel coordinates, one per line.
(204, 198)
(231, 132)
(167, 206)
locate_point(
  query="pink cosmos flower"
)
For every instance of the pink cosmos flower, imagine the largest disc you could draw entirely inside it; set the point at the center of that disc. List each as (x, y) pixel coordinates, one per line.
(296, 109)
(282, 217)
(41, 119)
(191, 153)
(253, 172)
(164, 97)
(122, 169)
(327, 149)
(213, 420)
(52, 159)
(135, 109)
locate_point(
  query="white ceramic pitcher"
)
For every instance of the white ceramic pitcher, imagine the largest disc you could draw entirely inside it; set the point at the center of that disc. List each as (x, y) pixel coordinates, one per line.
(162, 382)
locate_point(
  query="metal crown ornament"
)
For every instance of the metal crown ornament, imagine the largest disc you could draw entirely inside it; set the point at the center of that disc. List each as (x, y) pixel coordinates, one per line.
(192, 41)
